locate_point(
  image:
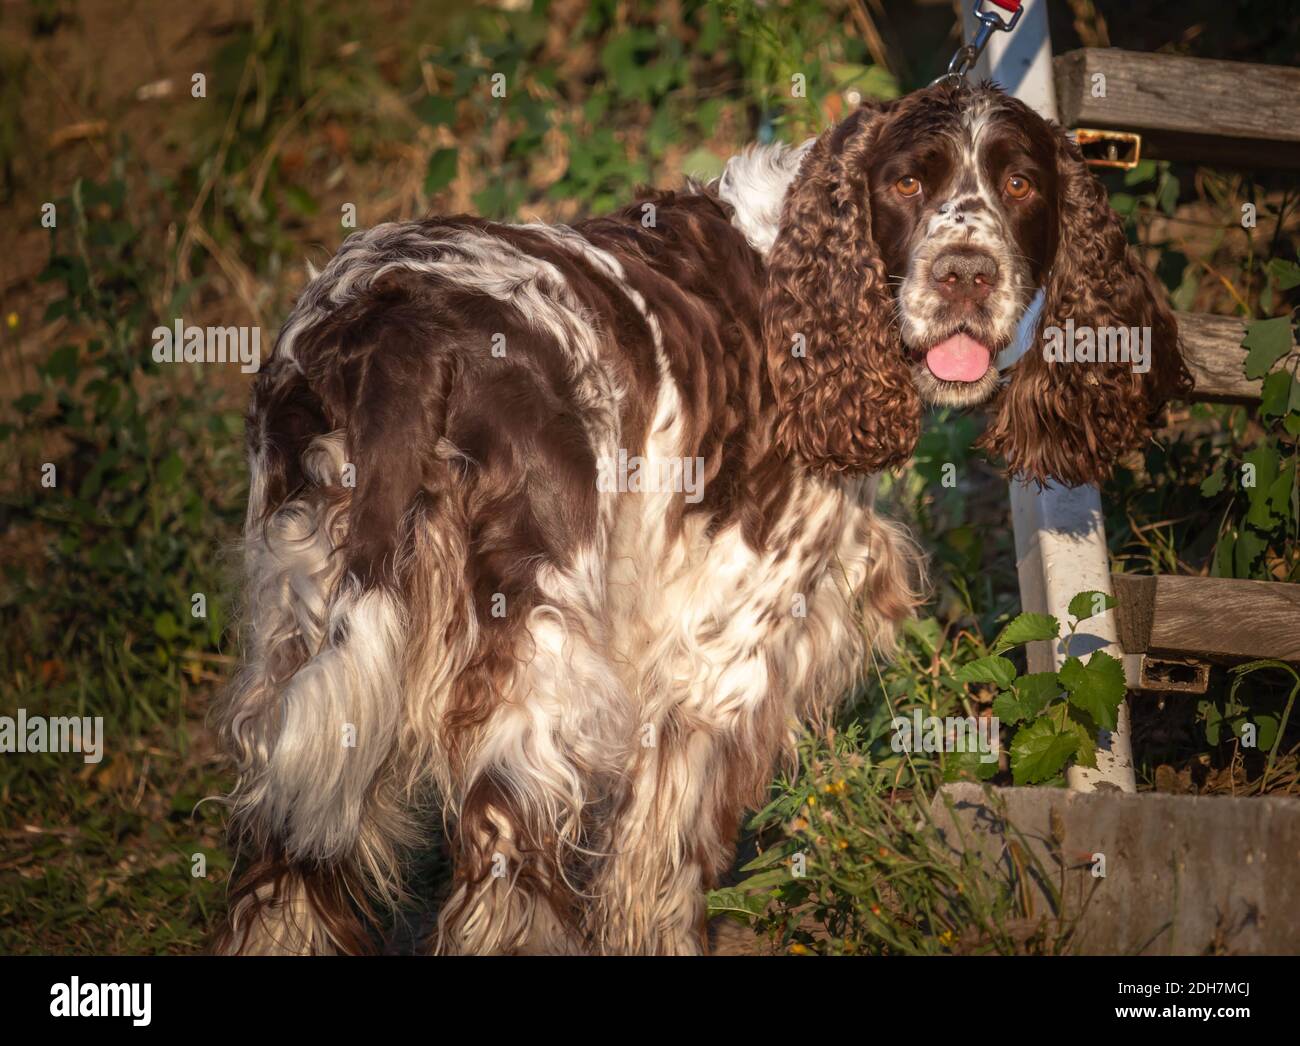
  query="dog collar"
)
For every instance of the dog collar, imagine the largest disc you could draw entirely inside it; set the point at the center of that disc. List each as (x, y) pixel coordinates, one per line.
(1024, 334)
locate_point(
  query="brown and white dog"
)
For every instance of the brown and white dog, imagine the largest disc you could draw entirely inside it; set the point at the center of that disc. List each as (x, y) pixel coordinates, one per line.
(450, 595)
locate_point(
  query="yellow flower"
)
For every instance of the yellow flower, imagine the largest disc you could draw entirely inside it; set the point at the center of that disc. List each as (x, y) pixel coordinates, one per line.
(799, 949)
(946, 938)
(12, 321)
(812, 800)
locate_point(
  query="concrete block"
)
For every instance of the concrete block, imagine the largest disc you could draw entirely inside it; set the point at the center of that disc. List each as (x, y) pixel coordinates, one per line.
(1184, 875)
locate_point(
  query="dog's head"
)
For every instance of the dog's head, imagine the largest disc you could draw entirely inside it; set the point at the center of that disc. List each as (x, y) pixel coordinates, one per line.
(911, 241)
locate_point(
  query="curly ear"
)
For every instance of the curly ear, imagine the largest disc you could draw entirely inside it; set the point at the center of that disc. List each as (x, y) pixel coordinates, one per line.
(1070, 421)
(845, 398)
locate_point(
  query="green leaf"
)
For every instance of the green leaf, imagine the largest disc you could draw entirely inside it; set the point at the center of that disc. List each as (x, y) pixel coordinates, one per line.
(736, 903)
(1262, 512)
(1275, 399)
(441, 170)
(968, 766)
(1247, 549)
(1097, 687)
(1031, 695)
(1265, 729)
(1036, 689)
(1071, 721)
(772, 856)
(1167, 198)
(991, 669)
(1212, 484)
(1038, 751)
(1123, 203)
(1027, 628)
(765, 881)
(1278, 497)
(1209, 711)
(926, 631)
(1009, 709)
(1089, 604)
(1286, 273)
(1268, 341)
(1143, 172)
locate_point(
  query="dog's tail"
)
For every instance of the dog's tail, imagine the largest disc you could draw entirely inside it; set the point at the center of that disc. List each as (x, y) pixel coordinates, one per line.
(314, 718)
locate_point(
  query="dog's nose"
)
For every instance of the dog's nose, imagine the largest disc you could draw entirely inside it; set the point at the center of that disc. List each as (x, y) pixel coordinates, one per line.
(964, 275)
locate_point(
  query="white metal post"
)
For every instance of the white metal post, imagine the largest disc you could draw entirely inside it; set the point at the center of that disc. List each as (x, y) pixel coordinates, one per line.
(1060, 533)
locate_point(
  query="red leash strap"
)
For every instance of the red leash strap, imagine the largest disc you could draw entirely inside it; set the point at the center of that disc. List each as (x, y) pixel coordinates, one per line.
(1007, 5)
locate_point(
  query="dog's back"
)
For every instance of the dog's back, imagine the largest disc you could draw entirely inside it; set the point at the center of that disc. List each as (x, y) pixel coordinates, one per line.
(516, 527)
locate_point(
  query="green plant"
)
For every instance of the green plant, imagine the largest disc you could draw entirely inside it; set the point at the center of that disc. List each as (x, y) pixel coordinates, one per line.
(1259, 489)
(854, 868)
(1059, 713)
(1257, 721)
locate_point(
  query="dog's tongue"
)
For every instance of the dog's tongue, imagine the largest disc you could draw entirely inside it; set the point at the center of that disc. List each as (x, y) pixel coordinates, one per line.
(959, 358)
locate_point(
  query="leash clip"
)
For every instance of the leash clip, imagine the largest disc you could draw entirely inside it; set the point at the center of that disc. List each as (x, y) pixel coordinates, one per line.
(989, 23)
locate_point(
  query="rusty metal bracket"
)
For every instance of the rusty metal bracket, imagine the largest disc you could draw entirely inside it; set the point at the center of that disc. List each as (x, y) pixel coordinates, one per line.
(1173, 675)
(1118, 149)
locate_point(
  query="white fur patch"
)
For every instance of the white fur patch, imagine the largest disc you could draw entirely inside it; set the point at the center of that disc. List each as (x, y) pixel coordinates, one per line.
(755, 183)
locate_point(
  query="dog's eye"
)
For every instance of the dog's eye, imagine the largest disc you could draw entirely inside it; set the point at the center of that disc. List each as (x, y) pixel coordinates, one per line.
(1017, 187)
(907, 185)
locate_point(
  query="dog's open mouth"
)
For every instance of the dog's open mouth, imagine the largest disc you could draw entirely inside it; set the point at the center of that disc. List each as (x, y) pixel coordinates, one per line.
(959, 357)
(956, 371)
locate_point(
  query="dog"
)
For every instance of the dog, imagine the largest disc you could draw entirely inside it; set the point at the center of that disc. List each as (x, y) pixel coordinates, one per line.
(558, 533)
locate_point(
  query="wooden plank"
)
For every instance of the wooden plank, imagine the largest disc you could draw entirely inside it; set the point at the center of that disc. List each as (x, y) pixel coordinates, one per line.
(1217, 619)
(1212, 348)
(1193, 109)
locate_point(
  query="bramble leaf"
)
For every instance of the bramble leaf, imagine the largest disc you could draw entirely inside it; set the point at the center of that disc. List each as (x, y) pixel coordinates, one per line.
(1068, 720)
(1039, 752)
(1027, 628)
(991, 669)
(1268, 341)
(1089, 604)
(1097, 687)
